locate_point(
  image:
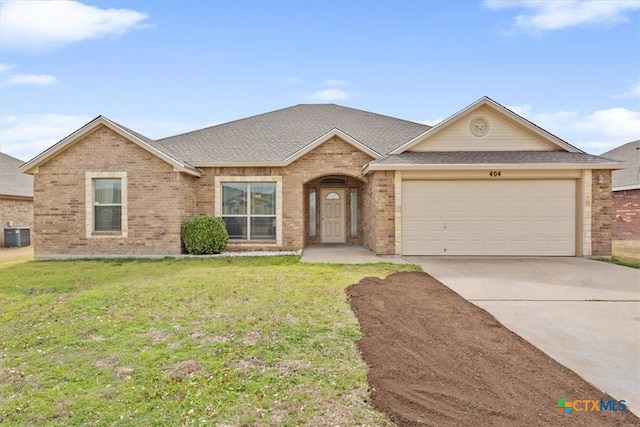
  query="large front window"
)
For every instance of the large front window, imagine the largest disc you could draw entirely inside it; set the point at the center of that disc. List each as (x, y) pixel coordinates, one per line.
(107, 204)
(249, 210)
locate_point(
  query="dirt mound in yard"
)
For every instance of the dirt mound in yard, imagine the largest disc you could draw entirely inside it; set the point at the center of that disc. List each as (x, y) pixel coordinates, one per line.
(436, 359)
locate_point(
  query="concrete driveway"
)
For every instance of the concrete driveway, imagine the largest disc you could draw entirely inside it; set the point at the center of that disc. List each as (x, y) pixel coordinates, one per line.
(583, 313)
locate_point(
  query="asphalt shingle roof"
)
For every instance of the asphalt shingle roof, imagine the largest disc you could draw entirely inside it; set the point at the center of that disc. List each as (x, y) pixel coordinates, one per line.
(12, 181)
(629, 177)
(276, 135)
(488, 157)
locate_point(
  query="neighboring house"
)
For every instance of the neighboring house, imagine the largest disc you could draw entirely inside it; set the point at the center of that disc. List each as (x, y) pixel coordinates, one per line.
(16, 196)
(485, 181)
(626, 192)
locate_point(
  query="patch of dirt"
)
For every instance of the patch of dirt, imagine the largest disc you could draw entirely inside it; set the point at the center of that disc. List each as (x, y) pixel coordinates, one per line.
(437, 360)
(156, 335)
(8, 254)
(250, 338)
(107, 362)
(181, 370)
(627, 250)
(124, 372)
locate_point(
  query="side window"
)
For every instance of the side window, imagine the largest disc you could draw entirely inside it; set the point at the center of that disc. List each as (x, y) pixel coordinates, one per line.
(107, 204)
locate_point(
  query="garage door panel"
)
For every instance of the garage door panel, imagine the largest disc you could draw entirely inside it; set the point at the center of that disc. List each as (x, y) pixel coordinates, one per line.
(535, 217)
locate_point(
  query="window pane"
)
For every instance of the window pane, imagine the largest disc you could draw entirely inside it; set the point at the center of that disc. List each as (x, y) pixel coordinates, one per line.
(263, 198)
(106, 191)
(234, 198)
(236, 227)
(108, 218)
(354, 211)
(263, 228)
(333, 196)
(312, 212)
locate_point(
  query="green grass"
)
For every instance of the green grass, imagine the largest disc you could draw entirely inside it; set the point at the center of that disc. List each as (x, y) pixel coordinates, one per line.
(618, 261)
(242, 341)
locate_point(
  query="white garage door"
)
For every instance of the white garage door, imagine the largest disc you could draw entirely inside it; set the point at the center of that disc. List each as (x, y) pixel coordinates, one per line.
(528, 217)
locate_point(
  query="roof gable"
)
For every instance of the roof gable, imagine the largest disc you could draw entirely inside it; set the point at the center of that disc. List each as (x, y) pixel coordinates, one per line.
(507, 131)
(147, 144)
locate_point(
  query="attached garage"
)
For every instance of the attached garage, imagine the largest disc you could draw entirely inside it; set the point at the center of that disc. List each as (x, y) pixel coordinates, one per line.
(489, 217)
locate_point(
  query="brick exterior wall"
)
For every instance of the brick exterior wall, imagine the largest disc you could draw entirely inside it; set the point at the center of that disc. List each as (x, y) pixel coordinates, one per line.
(601, 209)
(379, 213)
(333, 158)
(19, 212)
(159, 199)
(626, 215)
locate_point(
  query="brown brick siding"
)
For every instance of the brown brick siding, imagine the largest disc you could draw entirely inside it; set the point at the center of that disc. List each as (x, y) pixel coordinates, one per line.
(19, 212)
(626, 214)
(333, 158)
(379, 213)
(601, 213)
(159, 199)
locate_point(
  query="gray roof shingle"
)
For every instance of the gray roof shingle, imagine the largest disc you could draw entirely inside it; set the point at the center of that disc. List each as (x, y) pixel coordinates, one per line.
(489, 157)
(274, 136)
(12, 181)
(629, 177)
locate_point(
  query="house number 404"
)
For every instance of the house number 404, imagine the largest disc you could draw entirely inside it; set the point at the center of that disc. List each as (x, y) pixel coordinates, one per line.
(495, 173)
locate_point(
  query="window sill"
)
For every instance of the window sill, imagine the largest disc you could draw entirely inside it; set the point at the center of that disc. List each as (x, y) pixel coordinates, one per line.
(107, 234)
(251, 242)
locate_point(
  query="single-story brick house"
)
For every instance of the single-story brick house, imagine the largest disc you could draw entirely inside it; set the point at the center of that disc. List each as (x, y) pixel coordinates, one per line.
(626, 192)
(485, 181)
(16, 197)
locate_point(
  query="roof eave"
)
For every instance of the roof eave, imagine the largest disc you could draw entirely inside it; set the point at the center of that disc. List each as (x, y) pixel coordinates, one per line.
(626, 187)
(239, 164)
(479, 166)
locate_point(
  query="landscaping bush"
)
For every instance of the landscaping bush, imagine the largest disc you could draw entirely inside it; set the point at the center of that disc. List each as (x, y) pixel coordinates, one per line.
(204, 235)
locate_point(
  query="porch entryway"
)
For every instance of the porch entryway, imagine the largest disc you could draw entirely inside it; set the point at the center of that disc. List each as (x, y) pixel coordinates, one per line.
(332, 210)
(345, 254)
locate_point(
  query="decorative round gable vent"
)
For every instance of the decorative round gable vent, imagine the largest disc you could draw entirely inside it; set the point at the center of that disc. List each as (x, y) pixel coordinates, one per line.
(479, 126)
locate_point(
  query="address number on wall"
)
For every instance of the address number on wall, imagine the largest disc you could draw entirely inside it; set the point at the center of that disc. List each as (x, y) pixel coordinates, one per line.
(495, 173)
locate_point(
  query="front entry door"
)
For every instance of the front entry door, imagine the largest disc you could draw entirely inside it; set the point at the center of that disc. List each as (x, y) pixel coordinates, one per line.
(333, 218)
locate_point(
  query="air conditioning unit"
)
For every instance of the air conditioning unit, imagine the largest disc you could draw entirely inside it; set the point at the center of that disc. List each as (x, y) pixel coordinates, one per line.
(16, 237)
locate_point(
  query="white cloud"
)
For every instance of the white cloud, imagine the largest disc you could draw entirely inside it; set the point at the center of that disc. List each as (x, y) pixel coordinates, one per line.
(50, 24)
(4, 68)
(431, 122)
(332, 82)
(633, 92)
(30, 79)
(594, 132)
(9, 78)
(330, 95)
(560, 14)
(25, 136)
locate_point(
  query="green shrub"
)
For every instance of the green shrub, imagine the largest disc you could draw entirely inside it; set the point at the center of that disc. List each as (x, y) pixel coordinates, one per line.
(205, 235)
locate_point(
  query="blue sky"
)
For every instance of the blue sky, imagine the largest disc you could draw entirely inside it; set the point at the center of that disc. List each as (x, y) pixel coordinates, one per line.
(166, 67)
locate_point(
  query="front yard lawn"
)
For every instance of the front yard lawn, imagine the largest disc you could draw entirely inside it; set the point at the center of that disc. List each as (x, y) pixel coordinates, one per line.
(258, 341)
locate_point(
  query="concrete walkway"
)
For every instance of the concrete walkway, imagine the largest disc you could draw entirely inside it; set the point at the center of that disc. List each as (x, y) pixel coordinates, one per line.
(343, 254)
(583, 313)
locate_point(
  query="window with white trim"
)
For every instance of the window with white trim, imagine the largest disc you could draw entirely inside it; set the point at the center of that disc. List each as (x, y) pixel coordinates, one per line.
(107, 204)
(249, 210)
